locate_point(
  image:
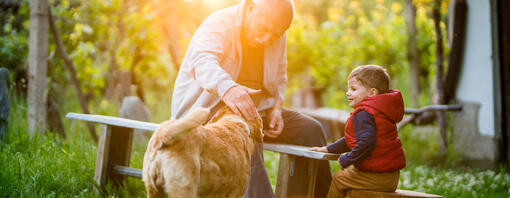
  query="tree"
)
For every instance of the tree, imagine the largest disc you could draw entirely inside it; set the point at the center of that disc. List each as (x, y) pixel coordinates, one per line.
(69, 64)
(441, 115)
(37, 65)
(412, 51)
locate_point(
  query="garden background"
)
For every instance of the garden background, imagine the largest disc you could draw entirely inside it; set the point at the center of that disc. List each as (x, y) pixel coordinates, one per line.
(327, 39)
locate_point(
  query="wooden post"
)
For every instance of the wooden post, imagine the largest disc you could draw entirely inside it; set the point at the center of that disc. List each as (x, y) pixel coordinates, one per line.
(120, 151)
(114, 149)
(102, 158)
(312, 173)
(284, 170)
(37, 66)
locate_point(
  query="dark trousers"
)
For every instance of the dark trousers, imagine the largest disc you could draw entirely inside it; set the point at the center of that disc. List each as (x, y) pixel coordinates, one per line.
(300, 130)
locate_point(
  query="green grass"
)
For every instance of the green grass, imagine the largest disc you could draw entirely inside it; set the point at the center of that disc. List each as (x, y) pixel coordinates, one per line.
(47, 166)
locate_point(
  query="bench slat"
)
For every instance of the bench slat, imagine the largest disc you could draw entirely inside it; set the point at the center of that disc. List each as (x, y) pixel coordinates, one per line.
(109, 120)
(132, 172)
(325, 114)
(396, 194)
(301, 151)
(128, 123)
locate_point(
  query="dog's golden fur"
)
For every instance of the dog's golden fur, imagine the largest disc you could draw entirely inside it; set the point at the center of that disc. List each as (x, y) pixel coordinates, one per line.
(185, 159)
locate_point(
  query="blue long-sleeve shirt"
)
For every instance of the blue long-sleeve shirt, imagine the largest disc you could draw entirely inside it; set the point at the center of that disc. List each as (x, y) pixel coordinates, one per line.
(365, 132)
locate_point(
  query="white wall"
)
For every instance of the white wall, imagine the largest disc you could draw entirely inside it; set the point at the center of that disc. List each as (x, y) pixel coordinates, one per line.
(477, 81)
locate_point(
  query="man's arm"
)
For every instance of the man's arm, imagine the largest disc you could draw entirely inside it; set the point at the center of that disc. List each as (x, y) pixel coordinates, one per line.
(209, 45)
(365, 131)
(207, 49)
(282, 70)
(275, 120)
(275, 115)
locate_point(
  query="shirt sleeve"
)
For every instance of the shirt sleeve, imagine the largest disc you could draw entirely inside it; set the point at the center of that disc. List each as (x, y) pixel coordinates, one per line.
(338, 147)
(365, 132)
(282, 73)
(206, 50)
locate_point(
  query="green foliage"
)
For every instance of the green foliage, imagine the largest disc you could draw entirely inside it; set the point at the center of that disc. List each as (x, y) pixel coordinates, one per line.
(455, 183)
(43, 165)
(47, 166)
(13, 48)
(356, 33)
(14, 38)
(100, 37)
(104, 36)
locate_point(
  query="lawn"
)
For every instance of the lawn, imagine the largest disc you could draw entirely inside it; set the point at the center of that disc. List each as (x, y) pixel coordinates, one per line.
(47, 166)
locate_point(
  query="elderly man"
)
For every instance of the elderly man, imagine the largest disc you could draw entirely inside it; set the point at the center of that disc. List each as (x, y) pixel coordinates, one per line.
(237, 52)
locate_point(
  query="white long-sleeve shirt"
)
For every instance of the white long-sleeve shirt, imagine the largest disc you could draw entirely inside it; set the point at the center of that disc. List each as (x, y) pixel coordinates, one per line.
(213, 61)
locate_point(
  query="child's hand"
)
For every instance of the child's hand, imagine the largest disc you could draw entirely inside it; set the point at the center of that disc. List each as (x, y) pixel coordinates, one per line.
(319, 149)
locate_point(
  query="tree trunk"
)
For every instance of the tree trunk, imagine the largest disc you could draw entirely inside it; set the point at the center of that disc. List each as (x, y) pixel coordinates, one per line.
(72, 71)
(37, 66)
(412, 52)
(167, 10)
(503, 12)
(55, 124)
(457, 50)
(441, 116)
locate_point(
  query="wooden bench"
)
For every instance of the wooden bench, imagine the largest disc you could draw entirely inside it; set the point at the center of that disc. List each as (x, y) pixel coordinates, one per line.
(114, 153)
(396, 194)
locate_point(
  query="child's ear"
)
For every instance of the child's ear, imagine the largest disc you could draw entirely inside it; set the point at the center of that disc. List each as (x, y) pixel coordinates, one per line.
(373, 91)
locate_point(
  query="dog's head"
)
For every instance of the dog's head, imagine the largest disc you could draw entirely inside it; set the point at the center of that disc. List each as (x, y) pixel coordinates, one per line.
(254, 125)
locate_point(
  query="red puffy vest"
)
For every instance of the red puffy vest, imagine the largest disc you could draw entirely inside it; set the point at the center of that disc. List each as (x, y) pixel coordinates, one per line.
(387, 109)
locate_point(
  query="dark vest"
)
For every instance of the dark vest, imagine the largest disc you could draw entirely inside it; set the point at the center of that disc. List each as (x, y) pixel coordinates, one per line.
(252, 70)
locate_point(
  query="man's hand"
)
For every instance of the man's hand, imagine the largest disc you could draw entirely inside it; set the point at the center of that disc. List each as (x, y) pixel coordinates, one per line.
(275, 121)
(239, 100)
(319, 149)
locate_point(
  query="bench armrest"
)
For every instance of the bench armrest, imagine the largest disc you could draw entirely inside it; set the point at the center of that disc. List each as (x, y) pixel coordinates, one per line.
(115, 121)
(301, 151)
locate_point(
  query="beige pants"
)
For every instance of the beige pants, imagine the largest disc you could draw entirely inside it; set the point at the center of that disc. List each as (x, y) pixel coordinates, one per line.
(352, 178)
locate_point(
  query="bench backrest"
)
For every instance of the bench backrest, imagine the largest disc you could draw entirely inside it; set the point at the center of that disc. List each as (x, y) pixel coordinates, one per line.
(134, 124)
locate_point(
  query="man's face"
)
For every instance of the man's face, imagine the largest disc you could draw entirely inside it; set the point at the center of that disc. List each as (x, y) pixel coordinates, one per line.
(263, 25)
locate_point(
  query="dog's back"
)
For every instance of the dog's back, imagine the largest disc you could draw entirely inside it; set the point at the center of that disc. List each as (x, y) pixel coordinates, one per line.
(208, 161)
(161, 165)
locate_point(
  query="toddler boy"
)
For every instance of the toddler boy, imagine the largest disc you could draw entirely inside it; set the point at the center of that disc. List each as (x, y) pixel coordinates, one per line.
(371, 138)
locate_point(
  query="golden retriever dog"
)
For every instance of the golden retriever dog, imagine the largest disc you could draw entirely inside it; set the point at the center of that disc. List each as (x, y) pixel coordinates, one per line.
(186, 159)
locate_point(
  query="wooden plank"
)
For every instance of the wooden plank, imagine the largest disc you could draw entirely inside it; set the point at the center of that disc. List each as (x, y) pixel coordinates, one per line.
(102, 157)
(301, 151)
(116, 121)
(120, 151)
(326, 114)
(396, 194)
(284, 169)
(313, 167)
(124, 170)
(134, 124)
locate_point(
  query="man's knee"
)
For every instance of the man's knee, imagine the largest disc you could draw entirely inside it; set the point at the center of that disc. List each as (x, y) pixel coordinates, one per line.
(313, 132)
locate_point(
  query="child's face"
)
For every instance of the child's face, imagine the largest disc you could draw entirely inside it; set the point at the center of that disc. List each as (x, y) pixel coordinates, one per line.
(357, 92)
